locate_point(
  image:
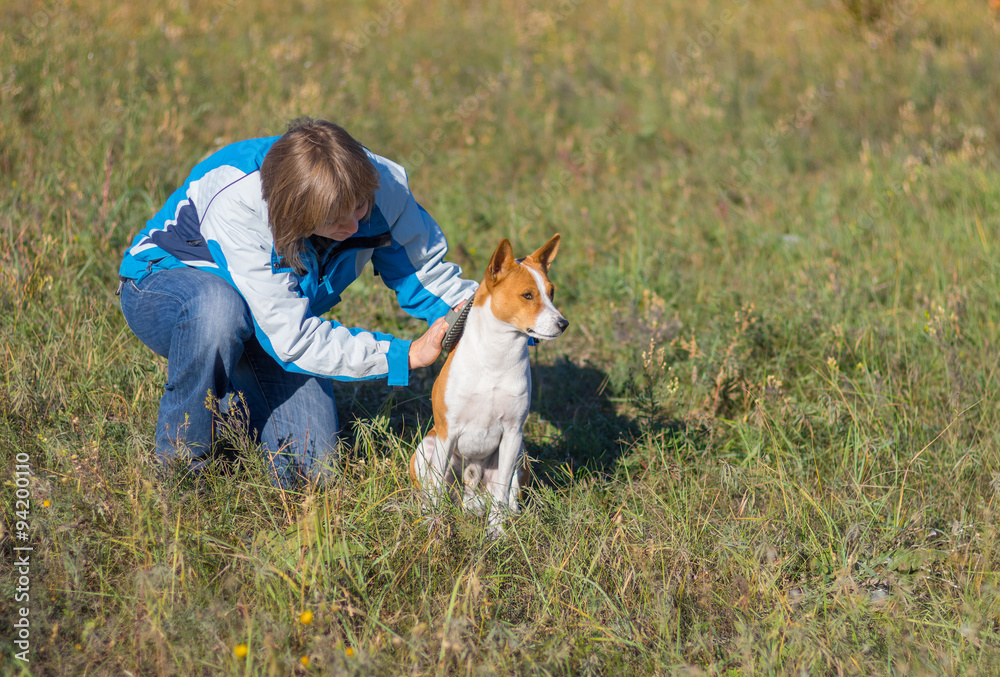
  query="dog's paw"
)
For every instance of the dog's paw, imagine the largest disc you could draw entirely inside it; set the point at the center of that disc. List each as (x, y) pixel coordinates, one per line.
(477, 504)
(497, 518)
(494, 532)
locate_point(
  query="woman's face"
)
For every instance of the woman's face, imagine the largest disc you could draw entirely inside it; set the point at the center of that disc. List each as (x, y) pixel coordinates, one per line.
(344, 227)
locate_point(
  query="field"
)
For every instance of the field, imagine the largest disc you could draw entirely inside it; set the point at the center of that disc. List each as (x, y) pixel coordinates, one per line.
(767, 445)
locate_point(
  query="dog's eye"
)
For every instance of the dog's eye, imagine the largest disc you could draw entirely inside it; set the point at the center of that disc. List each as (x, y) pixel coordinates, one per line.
(528, 295)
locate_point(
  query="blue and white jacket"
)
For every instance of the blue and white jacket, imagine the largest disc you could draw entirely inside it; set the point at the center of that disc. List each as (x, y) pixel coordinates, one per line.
(217, 221)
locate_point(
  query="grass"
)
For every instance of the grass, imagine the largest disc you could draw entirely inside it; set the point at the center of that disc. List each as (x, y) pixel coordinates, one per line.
(766, 445)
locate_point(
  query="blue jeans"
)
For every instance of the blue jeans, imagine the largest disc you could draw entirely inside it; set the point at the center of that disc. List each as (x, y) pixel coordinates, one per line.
(203, 326)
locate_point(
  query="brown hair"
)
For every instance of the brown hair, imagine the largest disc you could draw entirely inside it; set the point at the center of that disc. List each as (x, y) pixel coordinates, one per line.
(316, 172)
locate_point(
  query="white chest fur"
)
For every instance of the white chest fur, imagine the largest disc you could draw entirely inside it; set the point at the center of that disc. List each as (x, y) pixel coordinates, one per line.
(489, 386)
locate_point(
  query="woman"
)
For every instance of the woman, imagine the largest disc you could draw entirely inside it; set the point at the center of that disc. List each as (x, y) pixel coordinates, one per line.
(229, 279)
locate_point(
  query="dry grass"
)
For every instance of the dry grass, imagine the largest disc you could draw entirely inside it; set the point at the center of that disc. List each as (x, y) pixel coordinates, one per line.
(767, 445)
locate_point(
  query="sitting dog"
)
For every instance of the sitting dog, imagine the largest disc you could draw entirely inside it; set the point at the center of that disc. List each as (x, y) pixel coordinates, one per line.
(481, 396)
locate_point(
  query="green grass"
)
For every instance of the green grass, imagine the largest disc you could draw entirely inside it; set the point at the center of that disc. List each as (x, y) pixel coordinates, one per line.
(766, 446)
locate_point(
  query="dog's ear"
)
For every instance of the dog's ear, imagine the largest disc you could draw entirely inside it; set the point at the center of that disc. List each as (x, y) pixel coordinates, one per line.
(546, 253)
(503, 259)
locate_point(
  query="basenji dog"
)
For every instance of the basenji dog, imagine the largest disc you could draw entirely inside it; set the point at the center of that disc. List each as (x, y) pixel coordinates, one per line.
(481, 397)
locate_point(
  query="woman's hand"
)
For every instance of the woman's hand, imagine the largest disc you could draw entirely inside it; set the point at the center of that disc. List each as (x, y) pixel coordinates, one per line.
(426, 349)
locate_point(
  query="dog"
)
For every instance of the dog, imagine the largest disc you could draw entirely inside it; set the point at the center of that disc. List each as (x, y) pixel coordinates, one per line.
(481, 397)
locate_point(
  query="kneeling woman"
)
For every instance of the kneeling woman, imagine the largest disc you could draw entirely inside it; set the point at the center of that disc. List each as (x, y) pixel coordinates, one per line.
(229, 280)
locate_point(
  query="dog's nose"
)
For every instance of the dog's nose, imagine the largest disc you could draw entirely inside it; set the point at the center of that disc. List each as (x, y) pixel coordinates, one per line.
(562, 323)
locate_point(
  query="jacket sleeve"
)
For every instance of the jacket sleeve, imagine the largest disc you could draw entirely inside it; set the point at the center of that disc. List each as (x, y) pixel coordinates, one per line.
(236, 232)
(413, 266)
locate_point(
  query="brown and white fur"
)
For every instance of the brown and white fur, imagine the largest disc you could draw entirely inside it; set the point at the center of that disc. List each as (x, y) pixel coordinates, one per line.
(481, 396)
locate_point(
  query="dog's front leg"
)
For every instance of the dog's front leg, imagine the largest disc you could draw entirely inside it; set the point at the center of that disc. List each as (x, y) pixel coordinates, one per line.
(505, 486)
(431, 467)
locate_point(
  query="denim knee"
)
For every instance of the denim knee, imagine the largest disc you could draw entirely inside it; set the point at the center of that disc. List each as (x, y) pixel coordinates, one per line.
(219, 316)
(186, 308)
